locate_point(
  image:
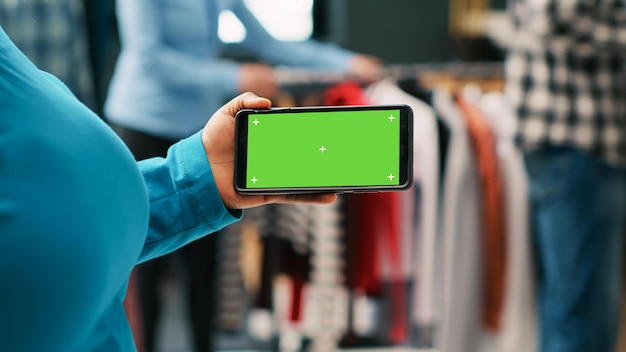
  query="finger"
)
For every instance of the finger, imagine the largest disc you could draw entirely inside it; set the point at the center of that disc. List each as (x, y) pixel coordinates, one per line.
(323, 198)
(317, 198)
(245, 101)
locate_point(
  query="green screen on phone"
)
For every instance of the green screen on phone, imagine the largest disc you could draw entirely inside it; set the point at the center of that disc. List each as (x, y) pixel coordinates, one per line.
(323, 149)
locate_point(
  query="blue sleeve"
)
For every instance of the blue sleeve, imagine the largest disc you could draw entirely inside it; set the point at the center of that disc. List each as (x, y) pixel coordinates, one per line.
(310, 53)
(184, 202)
(142, 30)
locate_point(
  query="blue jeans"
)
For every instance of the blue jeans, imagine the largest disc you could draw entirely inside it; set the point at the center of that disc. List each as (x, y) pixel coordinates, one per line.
(578, 203)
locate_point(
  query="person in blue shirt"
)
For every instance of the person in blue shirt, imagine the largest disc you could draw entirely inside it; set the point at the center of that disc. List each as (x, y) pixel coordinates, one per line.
(77, 212)
(170, 64)
(169, 77)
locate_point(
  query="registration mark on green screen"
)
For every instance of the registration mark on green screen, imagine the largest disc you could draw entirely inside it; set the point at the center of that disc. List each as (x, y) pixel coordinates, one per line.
(324, 149)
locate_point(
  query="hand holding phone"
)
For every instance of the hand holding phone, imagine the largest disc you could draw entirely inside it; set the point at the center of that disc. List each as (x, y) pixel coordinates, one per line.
(341, 149)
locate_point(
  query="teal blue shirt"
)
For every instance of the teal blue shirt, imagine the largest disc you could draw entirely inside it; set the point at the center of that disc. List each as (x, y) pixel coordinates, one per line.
(77, 213)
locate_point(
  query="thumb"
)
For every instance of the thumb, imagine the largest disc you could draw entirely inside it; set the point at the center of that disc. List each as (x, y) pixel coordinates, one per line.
(245, 101)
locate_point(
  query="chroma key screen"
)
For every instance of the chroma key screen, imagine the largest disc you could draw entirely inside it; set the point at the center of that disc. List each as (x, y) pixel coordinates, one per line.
(318, 149)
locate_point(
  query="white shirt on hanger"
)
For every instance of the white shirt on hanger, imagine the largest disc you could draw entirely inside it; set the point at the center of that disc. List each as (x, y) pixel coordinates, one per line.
(419, 242)
(461, 237)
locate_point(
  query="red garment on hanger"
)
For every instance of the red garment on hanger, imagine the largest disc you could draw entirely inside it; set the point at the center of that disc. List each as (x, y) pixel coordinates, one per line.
(493, 214)
(379, 220)
(297, 289)
(345, 93)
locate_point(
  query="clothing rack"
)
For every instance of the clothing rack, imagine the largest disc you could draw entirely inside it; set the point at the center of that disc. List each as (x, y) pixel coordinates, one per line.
(453, 75)
(404, 293)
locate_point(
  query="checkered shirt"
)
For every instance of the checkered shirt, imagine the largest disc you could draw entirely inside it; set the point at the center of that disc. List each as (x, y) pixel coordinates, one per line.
(52, 34)
(565, 75)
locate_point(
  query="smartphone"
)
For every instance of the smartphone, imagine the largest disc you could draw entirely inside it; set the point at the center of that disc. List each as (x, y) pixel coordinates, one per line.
(336, 149)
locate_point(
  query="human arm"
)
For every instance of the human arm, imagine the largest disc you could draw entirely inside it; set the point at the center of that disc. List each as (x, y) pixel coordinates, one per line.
(308, 53)
(191, 190)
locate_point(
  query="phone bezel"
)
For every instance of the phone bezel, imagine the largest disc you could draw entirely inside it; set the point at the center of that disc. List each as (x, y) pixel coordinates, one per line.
(406, 151)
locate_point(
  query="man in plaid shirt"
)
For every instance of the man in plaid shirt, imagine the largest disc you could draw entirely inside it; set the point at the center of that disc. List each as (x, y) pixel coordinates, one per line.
(565, 76)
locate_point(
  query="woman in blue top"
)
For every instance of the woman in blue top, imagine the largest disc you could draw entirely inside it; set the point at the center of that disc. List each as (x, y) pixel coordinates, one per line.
(77, 213)
(171, 74)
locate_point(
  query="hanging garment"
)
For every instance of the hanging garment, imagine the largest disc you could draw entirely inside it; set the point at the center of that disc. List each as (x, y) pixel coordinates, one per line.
(419, 239)
(365, 254)
(379, 232)
(239, 270)
(518, 330)
(459, 229)
(231, 290)
(285, 247)
(492, 212)
(328, 308)
(413, 87)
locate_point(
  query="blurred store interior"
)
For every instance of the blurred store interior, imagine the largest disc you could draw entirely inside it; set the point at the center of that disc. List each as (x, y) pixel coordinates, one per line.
(410, 271)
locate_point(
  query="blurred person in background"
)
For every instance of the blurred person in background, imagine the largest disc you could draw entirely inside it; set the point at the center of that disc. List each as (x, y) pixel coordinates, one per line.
(565, 77)
(169, 78)
(75, 40)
